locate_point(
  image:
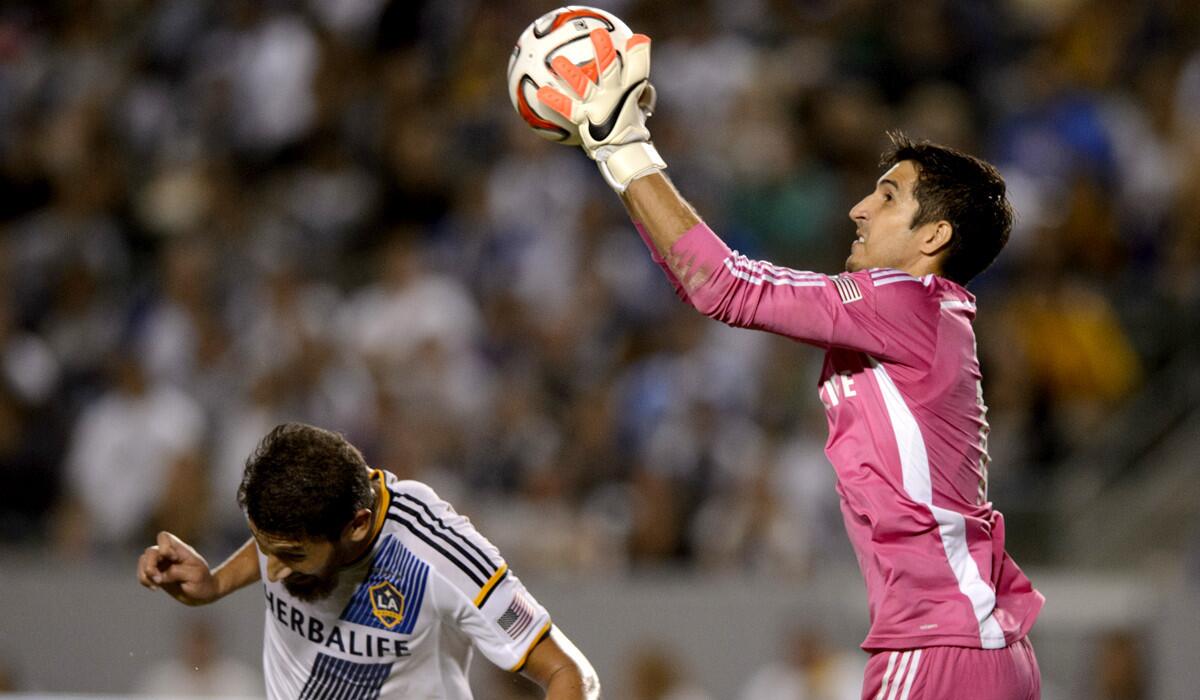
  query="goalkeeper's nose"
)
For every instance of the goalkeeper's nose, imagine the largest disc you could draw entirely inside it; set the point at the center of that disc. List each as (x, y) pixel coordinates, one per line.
(858, 213)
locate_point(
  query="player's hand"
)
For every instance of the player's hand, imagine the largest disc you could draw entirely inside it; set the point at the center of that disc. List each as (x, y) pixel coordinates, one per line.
(178, 570)
(609, 105)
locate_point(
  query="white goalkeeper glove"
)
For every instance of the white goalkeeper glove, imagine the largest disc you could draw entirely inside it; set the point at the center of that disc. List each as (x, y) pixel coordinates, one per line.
(610, 107)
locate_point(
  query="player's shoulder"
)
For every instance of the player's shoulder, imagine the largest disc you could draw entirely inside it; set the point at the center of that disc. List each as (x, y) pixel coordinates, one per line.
(893, 280)
(416, 509)
(409, 488)
(899, 291)
(434, 531)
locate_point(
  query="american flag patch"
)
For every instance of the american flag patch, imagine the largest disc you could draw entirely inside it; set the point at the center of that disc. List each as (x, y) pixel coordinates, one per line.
(517, 618)
(847, 289)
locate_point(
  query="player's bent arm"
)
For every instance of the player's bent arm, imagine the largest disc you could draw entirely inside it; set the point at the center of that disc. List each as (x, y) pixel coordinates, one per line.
(239, 570)
(176, 568)
(558, 666)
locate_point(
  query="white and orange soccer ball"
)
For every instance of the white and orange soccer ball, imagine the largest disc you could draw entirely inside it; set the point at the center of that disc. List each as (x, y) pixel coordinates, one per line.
(562, 32)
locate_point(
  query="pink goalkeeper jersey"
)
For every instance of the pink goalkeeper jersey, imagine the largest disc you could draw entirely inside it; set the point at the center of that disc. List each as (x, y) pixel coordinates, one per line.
(907, 435)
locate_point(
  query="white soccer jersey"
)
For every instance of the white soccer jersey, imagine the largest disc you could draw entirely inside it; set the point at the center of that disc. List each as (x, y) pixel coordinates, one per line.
(403, 620)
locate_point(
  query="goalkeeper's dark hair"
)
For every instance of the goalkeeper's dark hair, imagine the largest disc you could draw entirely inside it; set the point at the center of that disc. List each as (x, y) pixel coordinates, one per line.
(304, 482)
(963, 190)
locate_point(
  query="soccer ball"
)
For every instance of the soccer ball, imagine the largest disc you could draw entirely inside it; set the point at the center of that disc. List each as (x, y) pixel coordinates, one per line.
(561, 32)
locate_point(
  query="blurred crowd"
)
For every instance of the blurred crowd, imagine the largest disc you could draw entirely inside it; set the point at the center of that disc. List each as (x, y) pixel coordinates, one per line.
(218, 215)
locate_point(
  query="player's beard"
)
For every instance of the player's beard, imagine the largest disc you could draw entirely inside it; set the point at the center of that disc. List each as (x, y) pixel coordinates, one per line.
(311, 587)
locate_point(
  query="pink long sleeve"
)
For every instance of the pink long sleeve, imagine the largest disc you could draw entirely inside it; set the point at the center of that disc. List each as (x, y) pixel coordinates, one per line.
(846, 310)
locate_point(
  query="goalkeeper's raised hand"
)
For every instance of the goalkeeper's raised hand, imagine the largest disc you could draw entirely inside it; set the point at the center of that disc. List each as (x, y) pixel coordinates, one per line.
(611, 99)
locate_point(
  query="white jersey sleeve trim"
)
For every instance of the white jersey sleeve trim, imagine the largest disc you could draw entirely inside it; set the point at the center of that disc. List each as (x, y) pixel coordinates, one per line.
(486, 592)
(756, 272)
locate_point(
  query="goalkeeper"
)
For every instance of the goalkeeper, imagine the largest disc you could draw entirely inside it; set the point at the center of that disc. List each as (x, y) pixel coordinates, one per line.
(950, 610)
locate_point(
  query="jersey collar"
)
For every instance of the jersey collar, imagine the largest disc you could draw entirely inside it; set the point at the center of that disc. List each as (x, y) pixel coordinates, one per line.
(383, 501)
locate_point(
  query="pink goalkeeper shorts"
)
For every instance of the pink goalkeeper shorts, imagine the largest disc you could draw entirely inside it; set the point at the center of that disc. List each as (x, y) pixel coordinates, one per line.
(954, 673)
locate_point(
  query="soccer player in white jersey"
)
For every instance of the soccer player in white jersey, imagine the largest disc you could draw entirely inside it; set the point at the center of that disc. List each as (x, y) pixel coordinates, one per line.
(949, 609)
(374, 586)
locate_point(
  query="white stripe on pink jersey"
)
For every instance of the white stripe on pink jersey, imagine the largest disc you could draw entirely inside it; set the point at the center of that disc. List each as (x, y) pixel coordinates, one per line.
(764, 267)
(758, 276)
(897, 278)
(744, 262)
(914, 463)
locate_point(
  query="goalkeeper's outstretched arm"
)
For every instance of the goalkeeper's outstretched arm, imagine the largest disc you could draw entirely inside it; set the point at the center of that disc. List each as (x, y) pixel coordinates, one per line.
(733, 289)
(664, 215)
(610, 113)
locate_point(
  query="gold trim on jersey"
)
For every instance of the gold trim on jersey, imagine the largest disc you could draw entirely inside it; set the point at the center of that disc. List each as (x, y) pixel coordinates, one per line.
(536, 640)
(381, 513)
(384, 501)
(487, 587)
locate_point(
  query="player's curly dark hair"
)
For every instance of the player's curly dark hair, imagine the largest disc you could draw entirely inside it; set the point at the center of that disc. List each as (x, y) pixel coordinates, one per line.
(963, 190)
(304, 482)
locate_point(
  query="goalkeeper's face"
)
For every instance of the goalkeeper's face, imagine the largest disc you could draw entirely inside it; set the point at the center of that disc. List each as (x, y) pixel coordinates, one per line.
(884, 236)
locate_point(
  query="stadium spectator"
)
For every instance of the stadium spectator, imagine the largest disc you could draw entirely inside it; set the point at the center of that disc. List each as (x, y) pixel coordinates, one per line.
(654, 673)
(134, 464)
(1120, 667)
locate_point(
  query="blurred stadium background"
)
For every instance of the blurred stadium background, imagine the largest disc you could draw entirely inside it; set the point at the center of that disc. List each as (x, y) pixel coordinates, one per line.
(216, 215)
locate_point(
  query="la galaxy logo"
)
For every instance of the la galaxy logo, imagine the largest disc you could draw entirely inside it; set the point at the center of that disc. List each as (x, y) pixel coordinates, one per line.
(387, 602)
